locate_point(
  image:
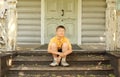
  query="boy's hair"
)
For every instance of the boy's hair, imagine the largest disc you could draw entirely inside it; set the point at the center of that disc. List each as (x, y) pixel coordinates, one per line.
(60, 26)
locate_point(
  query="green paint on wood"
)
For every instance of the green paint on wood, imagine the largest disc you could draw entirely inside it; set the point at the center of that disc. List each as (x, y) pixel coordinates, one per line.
(118, 4)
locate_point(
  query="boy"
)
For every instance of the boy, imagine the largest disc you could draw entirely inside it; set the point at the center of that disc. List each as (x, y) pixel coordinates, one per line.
(59, 47)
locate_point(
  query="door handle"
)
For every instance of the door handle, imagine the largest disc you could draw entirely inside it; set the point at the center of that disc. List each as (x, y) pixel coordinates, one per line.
(62, 12)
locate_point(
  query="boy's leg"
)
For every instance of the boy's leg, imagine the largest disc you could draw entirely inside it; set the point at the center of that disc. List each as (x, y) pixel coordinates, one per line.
(64, 49)
(54, 48)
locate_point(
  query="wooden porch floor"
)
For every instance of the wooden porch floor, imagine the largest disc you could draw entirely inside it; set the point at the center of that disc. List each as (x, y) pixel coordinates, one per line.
(82, 47)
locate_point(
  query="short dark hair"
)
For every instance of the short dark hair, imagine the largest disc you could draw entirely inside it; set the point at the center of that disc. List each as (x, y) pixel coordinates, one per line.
(60, 26)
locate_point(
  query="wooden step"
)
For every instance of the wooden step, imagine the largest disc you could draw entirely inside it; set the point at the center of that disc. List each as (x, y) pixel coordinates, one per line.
(44, 52)
(71, 63)
(58, 75)
(82, 64)
(60, 68)
(78, 59)
(72, 70)
(69, 58)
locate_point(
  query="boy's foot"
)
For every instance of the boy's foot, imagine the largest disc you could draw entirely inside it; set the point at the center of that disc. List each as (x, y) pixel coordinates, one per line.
(64, 63)
(54, 63)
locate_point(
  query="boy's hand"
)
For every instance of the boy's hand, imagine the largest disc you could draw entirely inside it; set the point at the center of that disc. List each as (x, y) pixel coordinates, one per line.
(62, 55)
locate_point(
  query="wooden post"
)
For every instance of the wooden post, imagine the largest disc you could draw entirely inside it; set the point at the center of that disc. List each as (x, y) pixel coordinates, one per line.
(12, 24)
(111, 25)
(118, 29)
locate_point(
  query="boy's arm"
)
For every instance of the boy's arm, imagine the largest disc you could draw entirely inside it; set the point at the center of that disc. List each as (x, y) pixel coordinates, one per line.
(69, 51)
(63, 54)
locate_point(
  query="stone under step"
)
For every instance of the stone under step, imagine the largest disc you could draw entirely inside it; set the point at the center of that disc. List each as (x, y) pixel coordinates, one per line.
(47, 71)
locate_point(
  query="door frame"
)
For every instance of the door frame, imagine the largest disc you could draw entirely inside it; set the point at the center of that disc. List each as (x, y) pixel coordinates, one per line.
(79, 22)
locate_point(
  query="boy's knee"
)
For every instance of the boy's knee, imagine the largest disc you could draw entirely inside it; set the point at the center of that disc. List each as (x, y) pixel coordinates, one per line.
(54, 45)
(65, 45)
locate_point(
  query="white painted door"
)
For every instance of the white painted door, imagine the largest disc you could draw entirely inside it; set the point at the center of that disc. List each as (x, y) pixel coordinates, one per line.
(61, 12)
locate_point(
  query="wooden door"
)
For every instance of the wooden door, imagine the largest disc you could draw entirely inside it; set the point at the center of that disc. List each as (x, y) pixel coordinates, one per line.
(61, 12)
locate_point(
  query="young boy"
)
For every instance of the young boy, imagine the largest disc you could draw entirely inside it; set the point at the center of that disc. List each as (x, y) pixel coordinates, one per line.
(59, 47)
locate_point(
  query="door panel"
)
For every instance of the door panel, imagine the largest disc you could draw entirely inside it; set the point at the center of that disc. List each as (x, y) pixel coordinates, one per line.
(51, 25)
(71, 30)
(70, 8)
(64, 12)
(52, 8)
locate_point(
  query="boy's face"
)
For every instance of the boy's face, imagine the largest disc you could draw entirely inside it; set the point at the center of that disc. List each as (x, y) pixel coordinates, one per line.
(60, 32)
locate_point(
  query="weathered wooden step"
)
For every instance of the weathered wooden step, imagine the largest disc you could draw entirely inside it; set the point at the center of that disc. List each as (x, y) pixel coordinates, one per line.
(44, 52)
(71, 63)
(59, 70)
(88, 59)
(69, 58)
(82, 64)
(47, 74)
